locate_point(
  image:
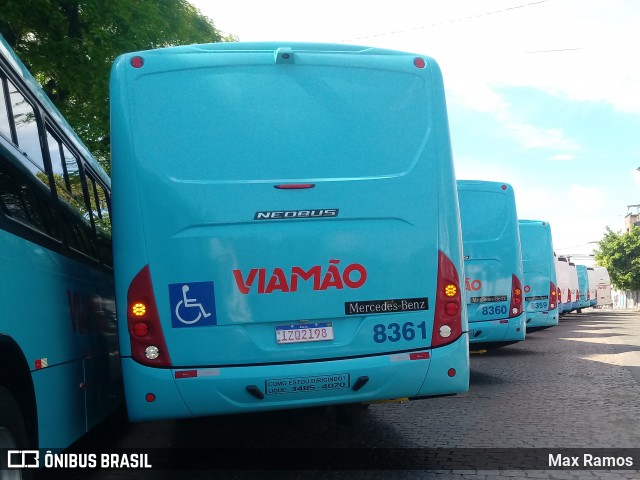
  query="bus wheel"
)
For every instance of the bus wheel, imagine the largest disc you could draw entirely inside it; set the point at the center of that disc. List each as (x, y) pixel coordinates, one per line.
(13, 435)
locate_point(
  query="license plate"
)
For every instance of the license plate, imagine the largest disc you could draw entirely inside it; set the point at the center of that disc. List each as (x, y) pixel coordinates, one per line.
(304, 332)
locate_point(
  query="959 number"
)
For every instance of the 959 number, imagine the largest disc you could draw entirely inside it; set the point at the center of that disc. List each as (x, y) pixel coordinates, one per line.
(395, 332)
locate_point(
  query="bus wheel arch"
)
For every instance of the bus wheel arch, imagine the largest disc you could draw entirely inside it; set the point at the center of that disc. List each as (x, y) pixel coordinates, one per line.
(16, 388)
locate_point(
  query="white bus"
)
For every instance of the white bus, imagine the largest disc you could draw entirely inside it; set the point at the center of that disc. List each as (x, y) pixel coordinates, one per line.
(604, 287)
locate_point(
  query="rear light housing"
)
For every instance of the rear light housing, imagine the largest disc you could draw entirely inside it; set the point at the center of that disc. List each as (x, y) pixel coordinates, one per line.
(569, 295)
(515, 308)
(447, 319)
(553, 296)
(148, 346)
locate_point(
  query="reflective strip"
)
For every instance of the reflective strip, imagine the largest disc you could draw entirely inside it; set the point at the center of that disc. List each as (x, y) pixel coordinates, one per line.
(399, 357)
(419, 356)
(42, 363)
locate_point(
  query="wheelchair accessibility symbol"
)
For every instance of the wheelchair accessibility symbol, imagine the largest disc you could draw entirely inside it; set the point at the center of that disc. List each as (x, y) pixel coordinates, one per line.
(192, 304)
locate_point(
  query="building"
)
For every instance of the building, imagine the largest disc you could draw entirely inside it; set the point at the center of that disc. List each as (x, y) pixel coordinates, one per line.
(632, 218)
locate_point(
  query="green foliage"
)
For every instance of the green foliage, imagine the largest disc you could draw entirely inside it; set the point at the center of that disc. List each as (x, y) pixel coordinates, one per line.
(69, 46)
(620, 253)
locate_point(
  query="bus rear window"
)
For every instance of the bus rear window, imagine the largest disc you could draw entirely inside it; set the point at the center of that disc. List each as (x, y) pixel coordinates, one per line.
(485, 215)
(259, 123)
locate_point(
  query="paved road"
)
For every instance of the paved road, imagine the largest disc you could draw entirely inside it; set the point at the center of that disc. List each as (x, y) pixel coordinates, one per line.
(576, 385)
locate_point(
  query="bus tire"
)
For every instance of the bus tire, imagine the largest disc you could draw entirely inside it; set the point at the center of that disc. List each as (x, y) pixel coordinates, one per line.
(13, 435)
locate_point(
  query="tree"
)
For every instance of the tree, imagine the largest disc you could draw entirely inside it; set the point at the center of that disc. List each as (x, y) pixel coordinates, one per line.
(69, 46)
(620, 254)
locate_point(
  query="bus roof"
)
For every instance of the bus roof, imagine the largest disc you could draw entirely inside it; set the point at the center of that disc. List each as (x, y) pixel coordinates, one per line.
(236, 47)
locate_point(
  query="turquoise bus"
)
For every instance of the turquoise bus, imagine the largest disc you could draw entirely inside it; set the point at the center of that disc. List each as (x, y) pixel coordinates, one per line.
(538, 266)
(286, 230)
(584, 300)
(59, 372)
(492, 263)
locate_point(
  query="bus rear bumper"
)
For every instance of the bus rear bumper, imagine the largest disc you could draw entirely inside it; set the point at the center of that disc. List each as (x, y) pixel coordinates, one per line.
(542, 319)
(181, 393)
(497, 331)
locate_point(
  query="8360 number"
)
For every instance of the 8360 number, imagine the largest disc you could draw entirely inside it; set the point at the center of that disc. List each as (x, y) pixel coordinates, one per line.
(495, 310)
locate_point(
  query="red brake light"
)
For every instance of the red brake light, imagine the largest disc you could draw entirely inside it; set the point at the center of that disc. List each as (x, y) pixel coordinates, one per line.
(553, 296)
(515, 308)
(144, 323)
(419, 62)
(140, 329)
(137, 62)
(447, 321)
(294, 186)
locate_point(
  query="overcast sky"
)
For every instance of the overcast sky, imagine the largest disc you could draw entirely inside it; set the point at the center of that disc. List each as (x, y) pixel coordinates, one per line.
(542, 94)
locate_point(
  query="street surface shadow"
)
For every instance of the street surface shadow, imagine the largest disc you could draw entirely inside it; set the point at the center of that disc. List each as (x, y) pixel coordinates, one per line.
(477, 378)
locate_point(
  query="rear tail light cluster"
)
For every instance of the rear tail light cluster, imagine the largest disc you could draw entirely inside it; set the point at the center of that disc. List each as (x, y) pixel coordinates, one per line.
(515, 308)
(447, 323)
(553, 296)
(147, 340)
(569, 296)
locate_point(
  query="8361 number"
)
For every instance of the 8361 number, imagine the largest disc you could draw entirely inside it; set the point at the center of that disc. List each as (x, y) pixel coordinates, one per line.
(395, 332)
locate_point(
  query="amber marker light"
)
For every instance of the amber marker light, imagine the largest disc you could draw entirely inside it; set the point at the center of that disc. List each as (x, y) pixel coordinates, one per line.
(450, 290)
(139, 309)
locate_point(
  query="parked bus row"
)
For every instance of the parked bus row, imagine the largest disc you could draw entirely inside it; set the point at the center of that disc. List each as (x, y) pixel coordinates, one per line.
(287, 232)
(582, 287)
(514, 281)
(312, 243)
